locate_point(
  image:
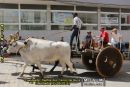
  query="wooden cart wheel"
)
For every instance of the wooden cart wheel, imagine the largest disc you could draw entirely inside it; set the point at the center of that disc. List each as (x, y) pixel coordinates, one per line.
(88, 59)
(109, 62)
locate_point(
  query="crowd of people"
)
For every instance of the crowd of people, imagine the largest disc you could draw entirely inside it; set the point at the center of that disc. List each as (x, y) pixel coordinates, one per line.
(104, 38)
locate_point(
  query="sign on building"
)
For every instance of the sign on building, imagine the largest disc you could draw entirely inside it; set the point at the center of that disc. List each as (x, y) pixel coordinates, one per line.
(109, 20)
(62, 18)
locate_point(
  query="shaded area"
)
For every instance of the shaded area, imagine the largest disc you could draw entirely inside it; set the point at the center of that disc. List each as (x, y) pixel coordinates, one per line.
(67, 73)
(123, 75)
(15, 74)
(3, 82)
(3, 73)
(51, 77)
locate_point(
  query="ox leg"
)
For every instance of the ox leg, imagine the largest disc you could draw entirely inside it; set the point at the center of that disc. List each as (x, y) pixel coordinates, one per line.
(63, 68)
(39, 66)
(24, 67)
(34, 67)
(70, 64)
(56, 63)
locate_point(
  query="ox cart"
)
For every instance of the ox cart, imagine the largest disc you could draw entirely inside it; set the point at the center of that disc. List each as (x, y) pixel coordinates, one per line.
(107, 62)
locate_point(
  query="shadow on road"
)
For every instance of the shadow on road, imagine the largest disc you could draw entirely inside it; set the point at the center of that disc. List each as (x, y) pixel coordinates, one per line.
(3, 82)
(57, 73)
(123, 75)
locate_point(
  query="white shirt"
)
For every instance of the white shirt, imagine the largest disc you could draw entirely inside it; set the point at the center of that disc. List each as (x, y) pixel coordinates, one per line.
(116, 38)
(113, 42)
(77, 21)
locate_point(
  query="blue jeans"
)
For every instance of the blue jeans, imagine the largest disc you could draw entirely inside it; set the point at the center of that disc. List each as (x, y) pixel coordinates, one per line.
(75, 34)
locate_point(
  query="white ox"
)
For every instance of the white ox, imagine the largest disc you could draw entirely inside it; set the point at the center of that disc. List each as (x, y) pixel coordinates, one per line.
(34, 51)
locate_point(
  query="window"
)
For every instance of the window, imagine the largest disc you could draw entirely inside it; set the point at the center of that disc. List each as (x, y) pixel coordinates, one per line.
(125, 19)
(62, 18)
(110, 9)
(109, 19)
(33, 27)
(125, 10)
(33, 6)
(8, 16)
(11, 27)
(88, 18)
(125, 27)
(32, 16)
(8, 6)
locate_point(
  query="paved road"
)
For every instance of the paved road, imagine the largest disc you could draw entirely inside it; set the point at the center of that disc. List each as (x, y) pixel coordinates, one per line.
(11, 68)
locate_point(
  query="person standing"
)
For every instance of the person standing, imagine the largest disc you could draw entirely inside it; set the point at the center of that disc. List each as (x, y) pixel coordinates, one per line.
(77, 23)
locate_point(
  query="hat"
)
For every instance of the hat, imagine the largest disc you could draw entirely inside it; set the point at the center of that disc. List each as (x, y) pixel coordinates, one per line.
(88, 31)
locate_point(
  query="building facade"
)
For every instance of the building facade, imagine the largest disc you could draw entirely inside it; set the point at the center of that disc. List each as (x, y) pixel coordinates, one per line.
(54, 19)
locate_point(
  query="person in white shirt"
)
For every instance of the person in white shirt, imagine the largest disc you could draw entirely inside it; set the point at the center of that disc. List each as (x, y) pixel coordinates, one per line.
(116, 39)
(77, 24)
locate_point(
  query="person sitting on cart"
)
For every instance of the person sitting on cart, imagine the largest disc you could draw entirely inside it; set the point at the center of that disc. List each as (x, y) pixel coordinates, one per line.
(88, 41)
(117, 39)
(104, 38)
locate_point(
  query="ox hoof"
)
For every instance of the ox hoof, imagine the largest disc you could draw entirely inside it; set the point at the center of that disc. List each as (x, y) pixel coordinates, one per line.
(75, 73)
(51, 71)
(20, 76)
(41, 76)
(60, 76)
